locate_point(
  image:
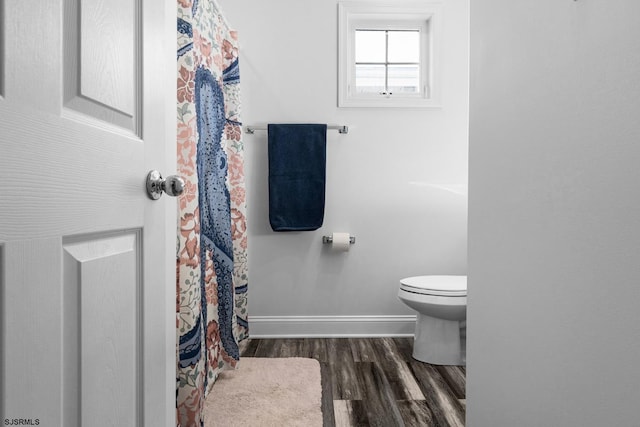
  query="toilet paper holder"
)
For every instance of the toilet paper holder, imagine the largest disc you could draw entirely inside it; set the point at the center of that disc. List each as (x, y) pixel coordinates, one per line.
(329, 239)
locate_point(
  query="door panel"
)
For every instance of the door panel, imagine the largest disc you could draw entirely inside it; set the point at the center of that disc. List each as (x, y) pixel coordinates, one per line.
(101, 333)
(101, 74)
(107, 53)
(32, 317)
(31, 54)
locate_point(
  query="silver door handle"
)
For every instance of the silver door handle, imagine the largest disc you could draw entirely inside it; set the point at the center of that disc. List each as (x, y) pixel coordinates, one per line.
(173, 185)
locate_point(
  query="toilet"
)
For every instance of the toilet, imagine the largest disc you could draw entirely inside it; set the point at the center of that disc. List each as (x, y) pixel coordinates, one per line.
(441, 303)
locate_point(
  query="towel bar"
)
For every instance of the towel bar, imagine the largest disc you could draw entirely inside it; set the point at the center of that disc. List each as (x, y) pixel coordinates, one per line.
(340, 128)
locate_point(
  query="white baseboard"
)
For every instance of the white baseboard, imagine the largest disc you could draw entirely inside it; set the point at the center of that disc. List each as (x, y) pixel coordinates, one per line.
(330, 326)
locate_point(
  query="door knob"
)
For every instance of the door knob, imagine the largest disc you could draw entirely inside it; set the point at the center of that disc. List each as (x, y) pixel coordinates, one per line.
(173, 185)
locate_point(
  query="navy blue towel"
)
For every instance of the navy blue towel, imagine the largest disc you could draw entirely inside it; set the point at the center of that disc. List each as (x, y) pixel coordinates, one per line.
(297, 173)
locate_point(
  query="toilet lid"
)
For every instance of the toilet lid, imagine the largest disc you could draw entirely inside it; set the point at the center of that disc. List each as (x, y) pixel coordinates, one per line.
(436, 285)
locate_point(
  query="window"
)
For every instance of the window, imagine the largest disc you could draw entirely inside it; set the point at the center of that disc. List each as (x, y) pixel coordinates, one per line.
(387, 61)
(388, 55)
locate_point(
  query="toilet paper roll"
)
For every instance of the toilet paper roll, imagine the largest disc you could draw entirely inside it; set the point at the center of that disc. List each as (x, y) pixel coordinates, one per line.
(341, 242)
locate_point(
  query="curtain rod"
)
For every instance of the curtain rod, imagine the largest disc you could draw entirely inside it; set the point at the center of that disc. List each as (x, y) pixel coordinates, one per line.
(339, 128)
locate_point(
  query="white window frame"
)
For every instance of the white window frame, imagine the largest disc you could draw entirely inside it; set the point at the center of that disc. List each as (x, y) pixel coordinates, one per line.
(390, 15)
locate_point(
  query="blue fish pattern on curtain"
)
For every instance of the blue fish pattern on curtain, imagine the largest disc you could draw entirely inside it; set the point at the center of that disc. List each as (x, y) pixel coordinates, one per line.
(211, 266)
(214, 200)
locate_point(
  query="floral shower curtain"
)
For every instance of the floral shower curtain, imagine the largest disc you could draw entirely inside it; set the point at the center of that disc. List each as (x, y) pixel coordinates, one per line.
(212, 240)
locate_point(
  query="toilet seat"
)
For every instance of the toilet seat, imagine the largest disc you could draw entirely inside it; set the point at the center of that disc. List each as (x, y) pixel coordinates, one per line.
(450, 286)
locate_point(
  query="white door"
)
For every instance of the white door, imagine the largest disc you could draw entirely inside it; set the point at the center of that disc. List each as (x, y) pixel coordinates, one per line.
(87, 261)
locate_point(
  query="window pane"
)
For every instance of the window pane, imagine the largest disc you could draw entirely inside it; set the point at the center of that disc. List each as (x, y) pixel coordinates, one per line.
(404, 46)
(370, 46)
(404, 79)
(369, 78)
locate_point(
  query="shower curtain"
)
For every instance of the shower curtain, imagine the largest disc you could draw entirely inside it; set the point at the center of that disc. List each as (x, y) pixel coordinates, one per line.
(211, 265)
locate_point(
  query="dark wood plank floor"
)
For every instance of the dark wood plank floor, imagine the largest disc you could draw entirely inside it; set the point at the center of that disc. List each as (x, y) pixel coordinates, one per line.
(375, 381)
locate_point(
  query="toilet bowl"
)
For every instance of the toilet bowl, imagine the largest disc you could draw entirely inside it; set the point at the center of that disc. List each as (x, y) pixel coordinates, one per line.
(441, 303)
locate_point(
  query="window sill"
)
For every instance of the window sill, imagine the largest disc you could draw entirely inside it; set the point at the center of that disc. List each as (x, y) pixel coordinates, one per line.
(397, 102)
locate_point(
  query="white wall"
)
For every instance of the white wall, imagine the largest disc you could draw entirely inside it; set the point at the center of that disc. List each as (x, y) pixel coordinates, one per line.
(382, 178)
(554, 214)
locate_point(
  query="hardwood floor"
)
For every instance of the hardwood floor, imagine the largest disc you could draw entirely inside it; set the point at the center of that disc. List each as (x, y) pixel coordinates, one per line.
(375, 381)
